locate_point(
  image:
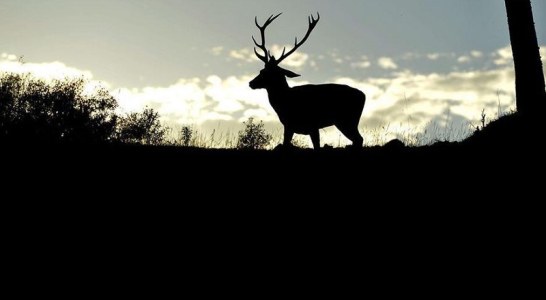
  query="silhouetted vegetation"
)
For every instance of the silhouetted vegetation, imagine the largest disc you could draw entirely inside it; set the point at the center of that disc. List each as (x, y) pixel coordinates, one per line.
(64, 112)
(253, 136)
(186, 136)
(141, 128)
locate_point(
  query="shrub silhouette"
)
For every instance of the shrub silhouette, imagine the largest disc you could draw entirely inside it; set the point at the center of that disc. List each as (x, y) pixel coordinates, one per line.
(63, 112)
(186, 136)
(141, 128)
(253, 136)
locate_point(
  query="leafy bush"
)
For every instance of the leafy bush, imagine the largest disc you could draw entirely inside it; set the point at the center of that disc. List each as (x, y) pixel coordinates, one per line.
(253, 136)
(62, 112)
(32, 110)
(141, 128)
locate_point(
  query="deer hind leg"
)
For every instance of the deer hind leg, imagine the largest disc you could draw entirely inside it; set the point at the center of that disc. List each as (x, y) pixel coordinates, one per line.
(315, 138)
(351, 132)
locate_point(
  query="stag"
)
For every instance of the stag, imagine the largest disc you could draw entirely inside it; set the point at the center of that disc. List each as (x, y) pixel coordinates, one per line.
(308, 108)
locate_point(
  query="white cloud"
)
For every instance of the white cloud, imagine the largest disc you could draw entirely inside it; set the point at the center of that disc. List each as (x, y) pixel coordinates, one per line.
(438, 55)
(364, 63)
(244, 54)
(387, 63)
(195, 101)
(361, 65)
(467, 58)
(476, 54)
(336, 58)
(411, 56)
(217, 51)
(296, 61)
(182, 102)
(213, 116)
(433, 56)
(503, 56)
(408, 102)
(463, 59)
(47, 71)
(9, 57)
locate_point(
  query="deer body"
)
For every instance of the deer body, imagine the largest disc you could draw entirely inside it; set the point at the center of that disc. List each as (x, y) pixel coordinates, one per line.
(308, 108)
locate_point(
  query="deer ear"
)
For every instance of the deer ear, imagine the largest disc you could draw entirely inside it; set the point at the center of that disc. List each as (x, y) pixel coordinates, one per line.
(290, 74)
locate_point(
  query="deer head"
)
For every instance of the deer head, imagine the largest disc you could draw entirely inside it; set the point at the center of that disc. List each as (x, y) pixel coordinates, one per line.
(273, 76)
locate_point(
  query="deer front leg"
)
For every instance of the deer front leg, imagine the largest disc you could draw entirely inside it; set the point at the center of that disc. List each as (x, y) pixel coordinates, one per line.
(288, 135)
(315, 138)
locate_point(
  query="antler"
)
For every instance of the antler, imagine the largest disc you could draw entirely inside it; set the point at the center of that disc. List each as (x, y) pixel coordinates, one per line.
(265, 57)
(312, 24)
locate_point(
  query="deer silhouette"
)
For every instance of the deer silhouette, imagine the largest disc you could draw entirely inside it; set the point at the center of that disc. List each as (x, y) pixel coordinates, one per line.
(308, 108)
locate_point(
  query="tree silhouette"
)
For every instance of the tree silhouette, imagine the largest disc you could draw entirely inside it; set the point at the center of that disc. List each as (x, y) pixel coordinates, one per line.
(530, 90)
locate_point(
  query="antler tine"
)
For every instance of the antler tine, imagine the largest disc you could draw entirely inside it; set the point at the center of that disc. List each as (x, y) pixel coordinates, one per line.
(283, 50)
(261, 57)
(262, 46)
(270, 20)
(312, 23)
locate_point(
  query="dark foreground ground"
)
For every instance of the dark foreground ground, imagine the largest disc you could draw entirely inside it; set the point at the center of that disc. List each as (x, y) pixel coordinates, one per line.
(490, 186)
(452, 219)
(505, 157)
(393, 171)
(448, 219)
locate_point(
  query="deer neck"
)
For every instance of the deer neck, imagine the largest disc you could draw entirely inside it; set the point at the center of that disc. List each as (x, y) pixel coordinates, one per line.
(278, 91)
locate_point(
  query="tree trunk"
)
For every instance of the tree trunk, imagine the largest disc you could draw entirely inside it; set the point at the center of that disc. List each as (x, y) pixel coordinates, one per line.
(530, 90)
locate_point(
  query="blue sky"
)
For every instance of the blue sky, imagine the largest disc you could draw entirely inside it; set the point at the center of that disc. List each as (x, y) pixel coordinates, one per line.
(191, 59)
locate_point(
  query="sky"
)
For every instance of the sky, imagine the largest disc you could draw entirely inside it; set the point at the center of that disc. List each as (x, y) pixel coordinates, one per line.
(426, 66)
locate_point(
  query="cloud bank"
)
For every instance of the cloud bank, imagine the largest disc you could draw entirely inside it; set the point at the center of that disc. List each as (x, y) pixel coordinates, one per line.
(402, 101)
